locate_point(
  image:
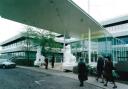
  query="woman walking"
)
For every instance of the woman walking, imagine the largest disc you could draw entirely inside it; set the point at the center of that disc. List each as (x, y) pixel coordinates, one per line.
(108, 72)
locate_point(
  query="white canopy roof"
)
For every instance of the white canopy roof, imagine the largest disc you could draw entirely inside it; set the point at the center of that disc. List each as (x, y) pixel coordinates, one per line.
(54, 15)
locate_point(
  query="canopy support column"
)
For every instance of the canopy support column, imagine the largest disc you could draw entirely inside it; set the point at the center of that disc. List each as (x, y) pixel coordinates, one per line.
(89, 45)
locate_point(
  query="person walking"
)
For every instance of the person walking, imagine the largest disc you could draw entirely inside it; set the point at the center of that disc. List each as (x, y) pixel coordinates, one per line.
(100, 65)
(108, 72)
(46, 63)
(104, 71)
(52, 61)
(82, 72)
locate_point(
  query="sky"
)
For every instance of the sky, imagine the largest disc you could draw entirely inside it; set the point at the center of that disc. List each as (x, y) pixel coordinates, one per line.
(100, 10)
(9, 29)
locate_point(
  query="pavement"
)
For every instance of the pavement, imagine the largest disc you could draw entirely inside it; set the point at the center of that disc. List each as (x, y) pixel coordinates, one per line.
(91, 80)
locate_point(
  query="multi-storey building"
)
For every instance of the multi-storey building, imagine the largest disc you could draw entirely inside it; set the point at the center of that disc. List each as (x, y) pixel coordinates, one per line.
(118, 27)
(22, 50)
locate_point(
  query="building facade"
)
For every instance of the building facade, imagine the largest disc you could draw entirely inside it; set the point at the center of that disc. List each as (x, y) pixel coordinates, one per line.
(22, 50)
(118, 27)
(19, 49)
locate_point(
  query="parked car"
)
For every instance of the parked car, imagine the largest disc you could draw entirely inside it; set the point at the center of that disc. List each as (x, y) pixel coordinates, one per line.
(6, 63)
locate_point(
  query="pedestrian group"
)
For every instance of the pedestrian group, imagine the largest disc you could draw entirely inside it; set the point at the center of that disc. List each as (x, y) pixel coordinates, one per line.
(104, 71)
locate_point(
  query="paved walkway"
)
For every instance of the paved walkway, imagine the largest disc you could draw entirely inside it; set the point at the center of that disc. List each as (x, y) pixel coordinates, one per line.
(91, 80)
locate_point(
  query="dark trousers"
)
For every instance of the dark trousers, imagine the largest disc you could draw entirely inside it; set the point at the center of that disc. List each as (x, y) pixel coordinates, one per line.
(46, 66)
(99, 74)
(52, 65)
(81, 82)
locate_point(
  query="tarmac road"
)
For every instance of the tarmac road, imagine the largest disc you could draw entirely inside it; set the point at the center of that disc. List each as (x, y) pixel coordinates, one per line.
(20, 78)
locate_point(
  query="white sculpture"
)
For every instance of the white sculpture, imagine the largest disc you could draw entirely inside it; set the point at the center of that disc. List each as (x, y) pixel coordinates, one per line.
(39, 58)
(69, 59)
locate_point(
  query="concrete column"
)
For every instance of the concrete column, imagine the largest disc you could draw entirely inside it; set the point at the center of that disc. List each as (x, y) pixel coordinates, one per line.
(89, 45)
(64, 47)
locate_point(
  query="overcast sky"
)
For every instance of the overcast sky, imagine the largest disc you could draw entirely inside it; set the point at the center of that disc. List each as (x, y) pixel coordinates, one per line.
(99, 9)
(9, 29)
(104, 9)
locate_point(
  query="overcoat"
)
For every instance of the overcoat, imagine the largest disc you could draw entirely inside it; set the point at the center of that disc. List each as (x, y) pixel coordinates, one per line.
(108, 70)
(82, 71)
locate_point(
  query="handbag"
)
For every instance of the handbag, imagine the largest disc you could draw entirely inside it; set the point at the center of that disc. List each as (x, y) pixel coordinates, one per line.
(114, 74)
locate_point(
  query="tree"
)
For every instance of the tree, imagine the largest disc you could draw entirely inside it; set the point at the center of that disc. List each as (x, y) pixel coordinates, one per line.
(42, 38)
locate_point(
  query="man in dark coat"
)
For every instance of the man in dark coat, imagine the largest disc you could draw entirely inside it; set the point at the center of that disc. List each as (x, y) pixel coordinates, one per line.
(108, 72)
(82, 72)
(52, 61)
(100, 65)
(46, 63)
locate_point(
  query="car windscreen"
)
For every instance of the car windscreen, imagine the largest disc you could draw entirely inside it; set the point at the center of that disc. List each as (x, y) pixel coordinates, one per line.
(3, 60)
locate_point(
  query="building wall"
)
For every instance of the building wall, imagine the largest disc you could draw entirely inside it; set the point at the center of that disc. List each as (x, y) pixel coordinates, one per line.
(23, 52)
(99, 46)
(119, 43)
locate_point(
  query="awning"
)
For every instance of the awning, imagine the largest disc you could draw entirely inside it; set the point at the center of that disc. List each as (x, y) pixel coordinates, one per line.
(60, 16)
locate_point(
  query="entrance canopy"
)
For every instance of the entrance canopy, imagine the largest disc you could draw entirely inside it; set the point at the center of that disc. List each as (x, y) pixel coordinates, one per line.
(60, 16)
